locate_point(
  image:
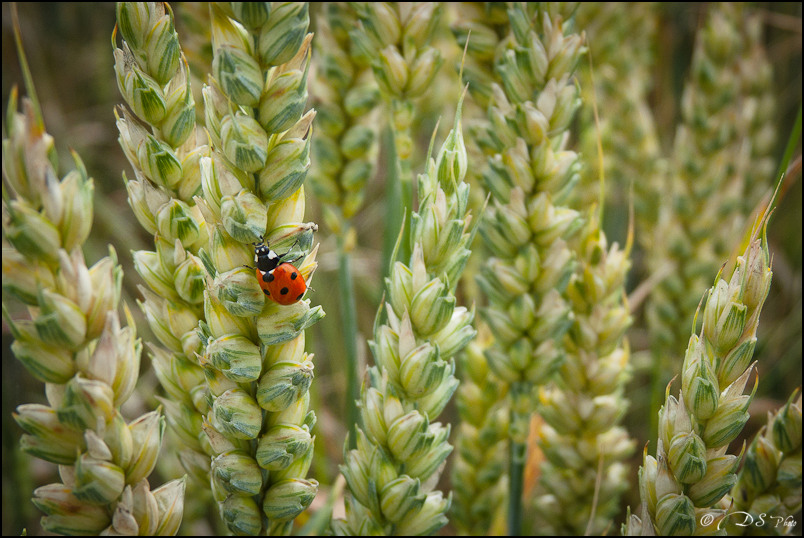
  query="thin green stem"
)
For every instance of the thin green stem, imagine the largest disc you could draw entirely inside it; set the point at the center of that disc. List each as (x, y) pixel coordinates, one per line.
(656, 393)
(405, 181)
(516, 472)
(402, 114)
(16, 467)
(518, 449)
(400, 202)
(393, 203)
(348, 309)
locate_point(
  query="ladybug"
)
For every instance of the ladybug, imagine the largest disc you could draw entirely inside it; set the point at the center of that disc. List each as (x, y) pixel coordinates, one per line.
(279, 280)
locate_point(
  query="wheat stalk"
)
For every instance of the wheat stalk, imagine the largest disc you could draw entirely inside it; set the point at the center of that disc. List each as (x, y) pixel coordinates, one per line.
(709, 175)
(683, 487)
(400, 450)
(529, 174)
(479, 473)
(345, 153)
(585, 450)
(396, 37)
(621, 78)
(258, 374)
(235, 369)
(158, 138)
(75, 344)
(769, 483)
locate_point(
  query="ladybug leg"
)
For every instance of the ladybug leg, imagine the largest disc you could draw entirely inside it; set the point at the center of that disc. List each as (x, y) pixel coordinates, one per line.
(297, 258)
(294, 260)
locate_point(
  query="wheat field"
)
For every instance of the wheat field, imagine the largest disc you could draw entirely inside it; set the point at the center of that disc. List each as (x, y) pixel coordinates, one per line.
(545, 292)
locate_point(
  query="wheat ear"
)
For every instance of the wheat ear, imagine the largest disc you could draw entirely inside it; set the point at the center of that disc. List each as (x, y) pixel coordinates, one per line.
(400, 449)
(75, 344)
(683, 487)
(258, 374)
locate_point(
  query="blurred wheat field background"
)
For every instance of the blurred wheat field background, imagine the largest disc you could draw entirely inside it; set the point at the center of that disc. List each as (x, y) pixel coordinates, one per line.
(696, 104)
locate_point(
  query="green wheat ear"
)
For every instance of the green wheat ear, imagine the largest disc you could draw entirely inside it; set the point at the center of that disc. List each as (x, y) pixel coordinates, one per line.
(530, 174)
(479, 473)
(230, 356)
(692, 472)
(400, 449)
(163, 151)
(74, 342)
(345, 152)
(618, 81)
(259, 423)
(396, 40)
(770, 479)
(585, 449)
(722, 163)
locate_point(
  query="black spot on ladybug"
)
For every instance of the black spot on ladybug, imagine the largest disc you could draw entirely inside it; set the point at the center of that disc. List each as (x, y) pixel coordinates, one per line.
(293, 275)
(299, 297)
(268, 277)
(266, 293)
(284, 291)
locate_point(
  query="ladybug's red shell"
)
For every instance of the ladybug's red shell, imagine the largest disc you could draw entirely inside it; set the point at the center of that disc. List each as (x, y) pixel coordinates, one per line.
(284, 284)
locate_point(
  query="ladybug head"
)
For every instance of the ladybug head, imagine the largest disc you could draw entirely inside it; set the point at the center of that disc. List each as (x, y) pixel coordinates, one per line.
(265, 258)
